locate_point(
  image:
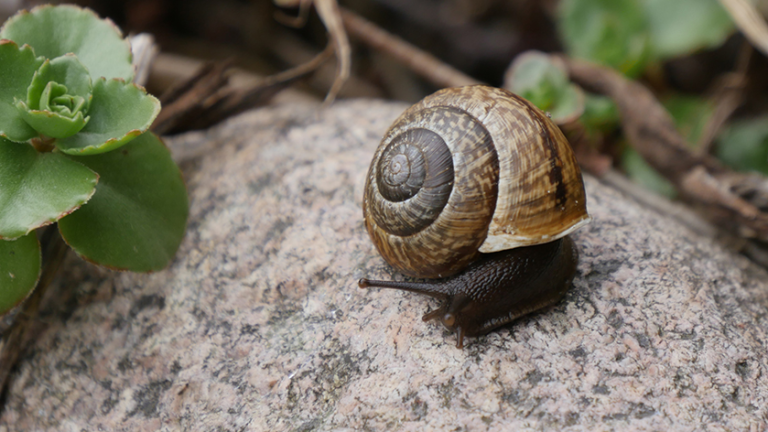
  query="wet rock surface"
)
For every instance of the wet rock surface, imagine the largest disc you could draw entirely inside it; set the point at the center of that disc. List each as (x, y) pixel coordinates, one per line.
(258, 325)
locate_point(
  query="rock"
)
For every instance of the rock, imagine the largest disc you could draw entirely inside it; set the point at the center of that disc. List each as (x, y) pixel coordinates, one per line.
(258, 325)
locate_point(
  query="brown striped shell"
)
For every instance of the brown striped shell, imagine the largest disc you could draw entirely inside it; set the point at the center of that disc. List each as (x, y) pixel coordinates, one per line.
(465, 171)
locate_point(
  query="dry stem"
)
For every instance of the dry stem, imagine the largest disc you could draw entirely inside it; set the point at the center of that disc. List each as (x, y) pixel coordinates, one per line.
(422, 63)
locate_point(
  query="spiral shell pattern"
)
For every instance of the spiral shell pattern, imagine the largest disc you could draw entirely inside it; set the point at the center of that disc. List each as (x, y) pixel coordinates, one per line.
(469, 170)
(434, 176)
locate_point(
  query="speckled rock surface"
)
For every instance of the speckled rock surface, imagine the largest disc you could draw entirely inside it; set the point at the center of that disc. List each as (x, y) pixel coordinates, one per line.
(259, 326)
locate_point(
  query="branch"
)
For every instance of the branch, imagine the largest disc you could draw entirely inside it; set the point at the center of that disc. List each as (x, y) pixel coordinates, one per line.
(727, 197)
(421, 62)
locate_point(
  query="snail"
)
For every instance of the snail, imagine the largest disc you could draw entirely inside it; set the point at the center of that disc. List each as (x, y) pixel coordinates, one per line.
(475, 186)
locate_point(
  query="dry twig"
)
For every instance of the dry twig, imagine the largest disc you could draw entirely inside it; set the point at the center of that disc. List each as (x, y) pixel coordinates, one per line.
(331, 17)
(749, 21)
(422, 63)
(728, 197)
(329, 13)
(728, 96)
(645, 122)
(297, 21)
(206, 99)
(187, 99)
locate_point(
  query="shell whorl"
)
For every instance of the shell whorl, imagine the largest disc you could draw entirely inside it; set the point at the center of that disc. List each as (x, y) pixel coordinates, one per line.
(469, 170)
(431, 221)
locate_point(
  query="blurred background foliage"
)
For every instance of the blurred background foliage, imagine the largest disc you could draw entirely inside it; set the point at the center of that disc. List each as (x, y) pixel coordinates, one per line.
(689, 52)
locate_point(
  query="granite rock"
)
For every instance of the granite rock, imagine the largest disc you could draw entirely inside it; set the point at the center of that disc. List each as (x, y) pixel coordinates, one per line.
(258, 325)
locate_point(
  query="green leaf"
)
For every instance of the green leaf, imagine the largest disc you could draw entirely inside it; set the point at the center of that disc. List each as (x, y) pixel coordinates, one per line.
(534, 77)
(744, 145)
(137, 217)
(600, 113)
(682, 26)
(54, 31)
(17, 67)
(58, 98)
(19, 270)
(691, 115)
(38, 188)
(643, 174)
(119, 112)
(610, 32)
(545, 83)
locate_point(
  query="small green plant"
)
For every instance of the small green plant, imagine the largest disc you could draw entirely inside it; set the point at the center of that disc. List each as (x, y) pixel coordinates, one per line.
(74, 149)
(635, 37)
(743, 145)
(538, 78)
(628, 35)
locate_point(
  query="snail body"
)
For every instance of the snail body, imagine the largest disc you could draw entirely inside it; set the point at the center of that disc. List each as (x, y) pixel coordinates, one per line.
(459, 177)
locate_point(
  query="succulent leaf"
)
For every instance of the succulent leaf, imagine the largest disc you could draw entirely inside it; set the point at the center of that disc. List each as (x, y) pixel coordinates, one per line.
(19, 270)
(137, 217)
(119, 112)
(58, 98)
(54, 31)
(17, 66)
(38, 188)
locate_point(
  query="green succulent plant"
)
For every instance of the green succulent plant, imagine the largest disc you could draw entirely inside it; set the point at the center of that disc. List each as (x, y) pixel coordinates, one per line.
(538, 78)
(75, 149)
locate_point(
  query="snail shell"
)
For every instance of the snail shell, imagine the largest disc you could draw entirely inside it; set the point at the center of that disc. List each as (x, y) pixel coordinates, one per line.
(470, 170)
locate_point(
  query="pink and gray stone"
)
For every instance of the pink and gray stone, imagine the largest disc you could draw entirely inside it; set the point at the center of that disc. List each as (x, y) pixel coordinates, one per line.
(258, 325)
